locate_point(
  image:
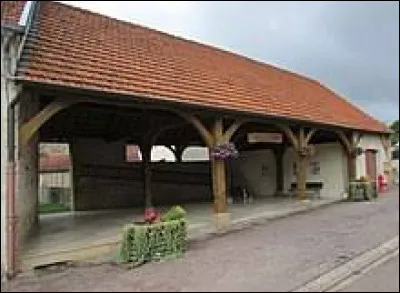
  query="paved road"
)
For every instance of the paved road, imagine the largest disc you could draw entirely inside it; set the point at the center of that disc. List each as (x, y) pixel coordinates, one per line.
(384, 278)
(277, 256)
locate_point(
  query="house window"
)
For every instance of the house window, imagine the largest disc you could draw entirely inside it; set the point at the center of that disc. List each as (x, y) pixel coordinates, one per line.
(132, 153)
(315, 168)
(395, 154)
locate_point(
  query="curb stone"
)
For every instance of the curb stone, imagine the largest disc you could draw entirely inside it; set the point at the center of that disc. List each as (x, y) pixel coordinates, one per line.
(341, 273)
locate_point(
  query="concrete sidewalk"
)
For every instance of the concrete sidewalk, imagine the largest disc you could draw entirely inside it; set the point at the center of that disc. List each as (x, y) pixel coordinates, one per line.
(94, 236)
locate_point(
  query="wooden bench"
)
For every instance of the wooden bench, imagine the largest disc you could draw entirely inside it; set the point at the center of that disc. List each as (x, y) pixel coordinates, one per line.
(313, 189)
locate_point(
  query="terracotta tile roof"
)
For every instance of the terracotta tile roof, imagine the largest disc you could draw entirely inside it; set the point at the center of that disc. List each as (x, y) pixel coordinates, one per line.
(11, 11)
(53, 162)
(76, 48)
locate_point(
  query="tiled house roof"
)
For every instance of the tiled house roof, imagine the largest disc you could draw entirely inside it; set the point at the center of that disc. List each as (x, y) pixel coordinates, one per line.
(72, 47)
(54, 162)
(11, 11)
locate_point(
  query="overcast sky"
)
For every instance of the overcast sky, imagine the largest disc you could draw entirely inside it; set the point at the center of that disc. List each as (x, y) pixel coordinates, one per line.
(351, 47)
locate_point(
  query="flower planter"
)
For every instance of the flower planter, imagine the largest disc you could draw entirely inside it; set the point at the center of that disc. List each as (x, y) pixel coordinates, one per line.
(144, 242)
(362, 190)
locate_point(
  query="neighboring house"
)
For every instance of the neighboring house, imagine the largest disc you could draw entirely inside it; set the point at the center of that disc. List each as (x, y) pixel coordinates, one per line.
(395, 161)
(55, 178)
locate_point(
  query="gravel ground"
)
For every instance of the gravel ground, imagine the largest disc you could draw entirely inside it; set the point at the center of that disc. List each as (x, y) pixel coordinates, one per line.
(276, 256)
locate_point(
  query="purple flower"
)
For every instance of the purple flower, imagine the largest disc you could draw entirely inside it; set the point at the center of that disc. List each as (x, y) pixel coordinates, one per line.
(224, 151)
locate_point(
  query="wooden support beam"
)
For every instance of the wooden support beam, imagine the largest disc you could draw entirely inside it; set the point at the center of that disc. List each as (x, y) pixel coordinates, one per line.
(177, 150)
(290, 135)
(346, 142)
(351, 166)
(350, 147)
(302, 160)
(148, 140)
(214, 137)
(29, 128)
(309, 135)
(300, 145)
(302, 165)
(145, 149)
(205, 134)
(232, 129)
(218, 170)
(219, 185)
(358, 139)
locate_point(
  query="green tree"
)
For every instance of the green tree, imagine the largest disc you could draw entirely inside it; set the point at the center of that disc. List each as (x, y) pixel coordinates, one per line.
(395, 135)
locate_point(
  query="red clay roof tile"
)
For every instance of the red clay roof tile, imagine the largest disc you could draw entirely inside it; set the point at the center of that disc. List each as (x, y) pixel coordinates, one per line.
(11, 11)
(76, 48)
(53, 162)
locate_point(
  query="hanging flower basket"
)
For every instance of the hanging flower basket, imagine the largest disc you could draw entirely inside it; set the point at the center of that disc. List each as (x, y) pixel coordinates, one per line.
(224, 151)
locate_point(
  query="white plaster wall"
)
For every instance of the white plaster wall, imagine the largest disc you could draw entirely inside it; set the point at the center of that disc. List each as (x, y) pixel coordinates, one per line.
(195, 154)
(259, 171)
(371, 141)
(333, 169)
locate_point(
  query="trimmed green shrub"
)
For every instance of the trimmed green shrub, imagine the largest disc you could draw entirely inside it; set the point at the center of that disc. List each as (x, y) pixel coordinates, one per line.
(175, 213)
(374, 190)
(361, 190)
(147, 242)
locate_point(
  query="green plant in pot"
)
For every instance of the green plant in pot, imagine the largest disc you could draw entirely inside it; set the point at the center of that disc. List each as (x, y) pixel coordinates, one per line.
(175, 213)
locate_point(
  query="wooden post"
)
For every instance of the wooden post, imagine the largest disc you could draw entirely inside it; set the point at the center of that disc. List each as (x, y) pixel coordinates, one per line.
(301, 165)
(219, 183)
(148, 140)
(212, 138)
(352, 164)
(300, 145)
(278, 153)
(219, 172)
(146, 171)
(350, 146)
(178, 151)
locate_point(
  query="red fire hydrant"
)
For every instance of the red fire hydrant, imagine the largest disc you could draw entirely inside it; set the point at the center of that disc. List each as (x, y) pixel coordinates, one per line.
(382, 183)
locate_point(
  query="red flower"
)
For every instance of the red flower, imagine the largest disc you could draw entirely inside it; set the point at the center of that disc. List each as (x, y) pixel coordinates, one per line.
(151, 215)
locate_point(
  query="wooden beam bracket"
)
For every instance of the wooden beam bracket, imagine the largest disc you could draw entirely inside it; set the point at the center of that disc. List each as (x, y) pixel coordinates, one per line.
(29, 128)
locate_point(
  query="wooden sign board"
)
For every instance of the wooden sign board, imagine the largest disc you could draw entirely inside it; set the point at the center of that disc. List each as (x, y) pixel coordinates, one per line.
(271, 137)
